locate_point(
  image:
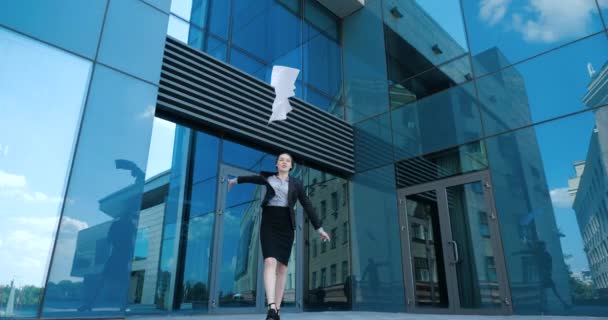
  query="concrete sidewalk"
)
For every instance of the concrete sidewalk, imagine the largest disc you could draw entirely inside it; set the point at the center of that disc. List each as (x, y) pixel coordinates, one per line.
(335, 315)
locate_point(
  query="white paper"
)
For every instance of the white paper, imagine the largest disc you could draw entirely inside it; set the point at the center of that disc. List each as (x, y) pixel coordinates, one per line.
(283, 80)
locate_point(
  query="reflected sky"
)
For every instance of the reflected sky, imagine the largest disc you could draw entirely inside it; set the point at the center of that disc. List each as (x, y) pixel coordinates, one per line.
(562, 144)
(448, 15)
(523, 28)
(42, 90)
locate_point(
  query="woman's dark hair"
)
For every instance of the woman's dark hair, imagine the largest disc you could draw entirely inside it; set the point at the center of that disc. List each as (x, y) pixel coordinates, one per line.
(290, 157)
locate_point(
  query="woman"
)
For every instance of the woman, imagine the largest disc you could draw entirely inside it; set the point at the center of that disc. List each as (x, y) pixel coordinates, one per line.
(278, 225)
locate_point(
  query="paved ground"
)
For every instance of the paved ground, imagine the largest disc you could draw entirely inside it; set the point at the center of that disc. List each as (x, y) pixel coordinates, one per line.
(357, 316)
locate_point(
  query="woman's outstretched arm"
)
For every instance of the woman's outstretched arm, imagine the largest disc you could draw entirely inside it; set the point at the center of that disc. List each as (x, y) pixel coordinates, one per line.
(310, 212)
(256, 179)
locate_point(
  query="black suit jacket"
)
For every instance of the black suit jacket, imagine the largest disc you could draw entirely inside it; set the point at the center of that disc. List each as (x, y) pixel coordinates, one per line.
(295, 192)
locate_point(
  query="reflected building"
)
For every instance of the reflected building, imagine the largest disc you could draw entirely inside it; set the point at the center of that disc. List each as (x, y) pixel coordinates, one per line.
(420, 145)
(520, 184)
(328, 267)
(590, 188)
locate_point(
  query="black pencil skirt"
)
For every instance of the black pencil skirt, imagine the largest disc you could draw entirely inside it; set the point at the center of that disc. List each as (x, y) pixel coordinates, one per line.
(276, 233)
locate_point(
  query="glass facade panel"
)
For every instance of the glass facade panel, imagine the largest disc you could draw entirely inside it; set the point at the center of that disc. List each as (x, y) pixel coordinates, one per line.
(550, 188)
(429, 82)
(365, 71)
(269, 31)
(210, 15)
(421, 35)
(72, 24)
(522, 29)
(322, 50)
(531, 91)
(417, 128)
(373, 143)
(250, 65)
(334, 293)
(32, 183)
(442, 164)
(134, 43)
(426, 247)
(179, 29)
(375, 220)
(96, 238)
(467, 207)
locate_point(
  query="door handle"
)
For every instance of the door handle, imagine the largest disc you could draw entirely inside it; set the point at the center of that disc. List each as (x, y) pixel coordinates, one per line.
(456, 253)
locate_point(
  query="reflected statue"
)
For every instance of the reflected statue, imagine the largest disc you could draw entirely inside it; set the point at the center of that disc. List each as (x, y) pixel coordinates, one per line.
(113, 278)
(544, 263)
(371, 273)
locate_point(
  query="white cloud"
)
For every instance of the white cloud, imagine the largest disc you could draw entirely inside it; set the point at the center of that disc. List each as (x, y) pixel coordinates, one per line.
(149, 112)
(11, 180)
(554, 20)
(561, 198)
(71, 224)
(0, 242)
(29, 196)
(542, 20)
(492, 11)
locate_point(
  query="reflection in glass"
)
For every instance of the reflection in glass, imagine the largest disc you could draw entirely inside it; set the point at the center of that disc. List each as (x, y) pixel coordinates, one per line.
(31, 180)
(373, 142)
(329, 291)
(522, 29)
(134, 43)
(269, 31)
(443, 164)
(437, 122)
(96, 239)
(322, 50)
(74, 25)
(530, 92)
(426, 250)
(550, 190)
(365, 75)
(430, 82)
(421, 34)
(210, 15)
(475, 264)
(238, 268)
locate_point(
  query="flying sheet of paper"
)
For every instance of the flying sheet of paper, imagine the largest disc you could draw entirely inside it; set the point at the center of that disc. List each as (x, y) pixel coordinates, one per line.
(283, 80)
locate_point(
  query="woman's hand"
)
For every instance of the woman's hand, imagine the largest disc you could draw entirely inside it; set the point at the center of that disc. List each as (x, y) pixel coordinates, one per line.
(324, 236)
(231, 182)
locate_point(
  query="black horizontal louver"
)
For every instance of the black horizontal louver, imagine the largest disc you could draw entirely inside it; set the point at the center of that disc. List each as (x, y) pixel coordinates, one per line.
(198, 88)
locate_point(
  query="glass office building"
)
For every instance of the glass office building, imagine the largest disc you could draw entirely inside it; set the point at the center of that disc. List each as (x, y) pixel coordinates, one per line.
(456, 151)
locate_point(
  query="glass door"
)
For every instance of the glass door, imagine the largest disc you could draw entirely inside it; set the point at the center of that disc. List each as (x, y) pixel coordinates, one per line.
(453, 258)
(237, 284)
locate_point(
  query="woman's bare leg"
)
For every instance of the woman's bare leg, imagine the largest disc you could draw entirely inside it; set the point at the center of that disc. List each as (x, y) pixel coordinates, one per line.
(270, 279)
(280, 285)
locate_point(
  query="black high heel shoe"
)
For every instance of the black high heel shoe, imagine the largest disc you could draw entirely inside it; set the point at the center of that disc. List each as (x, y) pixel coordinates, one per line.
(272, 314)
